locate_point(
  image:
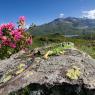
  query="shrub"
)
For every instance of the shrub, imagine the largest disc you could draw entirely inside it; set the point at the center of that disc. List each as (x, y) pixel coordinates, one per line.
(13, 39)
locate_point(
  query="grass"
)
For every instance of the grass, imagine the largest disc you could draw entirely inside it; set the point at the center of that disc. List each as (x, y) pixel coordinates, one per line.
(87, 46)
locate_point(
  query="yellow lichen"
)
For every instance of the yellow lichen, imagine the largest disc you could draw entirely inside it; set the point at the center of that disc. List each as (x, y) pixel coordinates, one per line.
(73, 73)
(21, 66)
(19, 71)
(7, 78)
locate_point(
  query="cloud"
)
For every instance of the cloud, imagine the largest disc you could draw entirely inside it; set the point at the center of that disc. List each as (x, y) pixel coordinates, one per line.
(61, 15)
(89, 14)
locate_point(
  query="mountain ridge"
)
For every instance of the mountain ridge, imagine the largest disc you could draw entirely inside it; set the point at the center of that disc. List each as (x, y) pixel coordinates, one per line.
(66, 26)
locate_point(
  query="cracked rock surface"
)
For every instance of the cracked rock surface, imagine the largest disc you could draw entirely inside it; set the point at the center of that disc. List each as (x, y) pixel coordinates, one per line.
(48, 77)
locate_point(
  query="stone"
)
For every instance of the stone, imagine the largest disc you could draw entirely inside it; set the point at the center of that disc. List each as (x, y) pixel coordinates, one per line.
(48, 77)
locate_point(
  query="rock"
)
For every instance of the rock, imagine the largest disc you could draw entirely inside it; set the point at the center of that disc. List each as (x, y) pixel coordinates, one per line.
(48, 77)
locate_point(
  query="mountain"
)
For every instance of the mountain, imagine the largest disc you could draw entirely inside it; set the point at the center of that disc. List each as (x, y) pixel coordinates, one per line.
(65, 26)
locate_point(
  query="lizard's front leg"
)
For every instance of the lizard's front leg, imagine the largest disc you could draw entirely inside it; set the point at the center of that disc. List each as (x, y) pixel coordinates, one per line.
(47, 54)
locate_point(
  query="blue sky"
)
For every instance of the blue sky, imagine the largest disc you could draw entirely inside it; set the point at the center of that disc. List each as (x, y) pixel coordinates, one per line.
(42, 11)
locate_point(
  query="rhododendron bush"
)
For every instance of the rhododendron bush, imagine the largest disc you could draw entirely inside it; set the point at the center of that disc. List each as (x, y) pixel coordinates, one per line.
(13, 39)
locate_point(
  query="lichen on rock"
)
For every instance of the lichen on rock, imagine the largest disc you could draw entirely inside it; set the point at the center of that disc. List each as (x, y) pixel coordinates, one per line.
(51, 76)
(73, 73)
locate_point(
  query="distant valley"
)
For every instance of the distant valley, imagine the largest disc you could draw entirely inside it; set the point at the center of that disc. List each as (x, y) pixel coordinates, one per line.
(67, 26)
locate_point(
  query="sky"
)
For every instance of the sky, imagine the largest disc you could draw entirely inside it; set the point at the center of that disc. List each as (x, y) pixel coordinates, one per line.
(43, 11)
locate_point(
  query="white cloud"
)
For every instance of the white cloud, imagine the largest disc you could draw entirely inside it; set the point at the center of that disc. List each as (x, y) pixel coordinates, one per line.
(61, 15)
(89, 14)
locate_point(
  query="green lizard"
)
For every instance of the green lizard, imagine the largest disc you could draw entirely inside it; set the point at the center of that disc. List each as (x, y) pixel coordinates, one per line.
(56, 49)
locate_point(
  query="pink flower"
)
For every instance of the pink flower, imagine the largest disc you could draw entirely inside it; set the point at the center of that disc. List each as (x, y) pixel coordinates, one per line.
(14, 37)
(22, 18)
(4, 38)
(3, 26)
(16, 34)
(29, 41)
(10, 26)
(12, 45)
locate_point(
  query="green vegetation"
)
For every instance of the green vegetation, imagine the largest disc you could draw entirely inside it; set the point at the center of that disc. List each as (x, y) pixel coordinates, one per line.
(82, 44)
